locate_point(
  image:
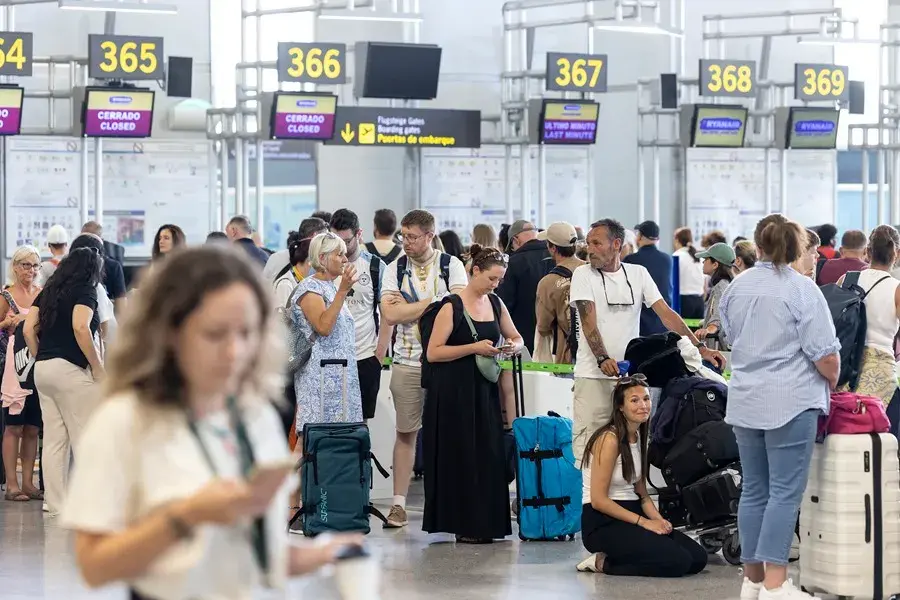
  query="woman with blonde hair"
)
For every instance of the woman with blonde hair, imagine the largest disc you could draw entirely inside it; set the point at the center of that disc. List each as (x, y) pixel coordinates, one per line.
(192, 376)
(319, 312)
(21, 407)
(745, 256)
(485, 236)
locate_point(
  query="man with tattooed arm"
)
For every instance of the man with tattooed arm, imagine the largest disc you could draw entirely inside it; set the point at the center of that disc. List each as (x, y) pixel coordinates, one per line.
(608, 295)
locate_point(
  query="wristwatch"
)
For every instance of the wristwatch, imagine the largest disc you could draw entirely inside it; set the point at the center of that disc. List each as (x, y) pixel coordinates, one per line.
(700, 344)
(601, 360)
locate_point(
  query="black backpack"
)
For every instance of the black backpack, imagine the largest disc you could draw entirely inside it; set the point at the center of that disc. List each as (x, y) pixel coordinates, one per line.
(426, 325)
(657, 357)
(572, 334)
(848, 311)
(387, 258)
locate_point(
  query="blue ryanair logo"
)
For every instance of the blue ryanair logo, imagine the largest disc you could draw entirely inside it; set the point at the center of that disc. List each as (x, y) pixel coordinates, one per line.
(720, 124)
(815, 126)
(572, 107)
(120, 100)
(306, 103)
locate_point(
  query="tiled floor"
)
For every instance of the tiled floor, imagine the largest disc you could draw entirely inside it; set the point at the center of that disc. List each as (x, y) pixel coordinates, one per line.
(36, 562)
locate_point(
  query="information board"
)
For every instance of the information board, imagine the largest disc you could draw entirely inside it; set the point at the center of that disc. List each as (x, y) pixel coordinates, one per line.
(726, 188)
(465, 187)
(145, 184)
(410, 127)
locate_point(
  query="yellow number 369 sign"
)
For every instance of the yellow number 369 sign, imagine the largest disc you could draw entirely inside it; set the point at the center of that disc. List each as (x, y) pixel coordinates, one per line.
(125, 57)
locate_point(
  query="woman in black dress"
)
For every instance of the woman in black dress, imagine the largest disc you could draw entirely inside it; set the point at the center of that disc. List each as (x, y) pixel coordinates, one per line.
(466, 492)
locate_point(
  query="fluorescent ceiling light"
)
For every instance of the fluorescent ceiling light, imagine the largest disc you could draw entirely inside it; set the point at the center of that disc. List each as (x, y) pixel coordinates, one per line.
(824, 40)
(119, 6)
(635, 27)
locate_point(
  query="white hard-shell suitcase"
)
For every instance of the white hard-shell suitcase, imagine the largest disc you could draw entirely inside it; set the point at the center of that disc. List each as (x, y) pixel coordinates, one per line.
(850, 518)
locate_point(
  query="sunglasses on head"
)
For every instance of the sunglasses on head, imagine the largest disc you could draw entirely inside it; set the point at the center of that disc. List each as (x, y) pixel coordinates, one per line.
(631, 380)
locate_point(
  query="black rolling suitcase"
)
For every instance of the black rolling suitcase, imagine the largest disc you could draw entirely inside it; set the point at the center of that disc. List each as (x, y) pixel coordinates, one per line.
(701, 452)
(714, 497)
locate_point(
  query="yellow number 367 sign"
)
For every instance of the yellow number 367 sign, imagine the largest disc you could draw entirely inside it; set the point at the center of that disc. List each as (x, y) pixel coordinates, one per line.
(125, 57)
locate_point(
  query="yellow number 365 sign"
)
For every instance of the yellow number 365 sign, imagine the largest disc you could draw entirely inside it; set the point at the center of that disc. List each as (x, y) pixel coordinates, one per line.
(125, 57)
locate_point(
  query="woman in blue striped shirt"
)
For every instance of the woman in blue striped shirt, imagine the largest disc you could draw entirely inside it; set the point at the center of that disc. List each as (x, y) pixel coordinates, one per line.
(784, 365)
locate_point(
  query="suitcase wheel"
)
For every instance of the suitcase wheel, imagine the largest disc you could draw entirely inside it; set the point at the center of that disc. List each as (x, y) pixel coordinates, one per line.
(522, 537)
(731, 549)
(711, 544)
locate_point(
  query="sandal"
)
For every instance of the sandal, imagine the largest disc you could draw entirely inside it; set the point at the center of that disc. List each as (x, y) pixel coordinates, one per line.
(35, 495)
(460, 539)
(19, 496)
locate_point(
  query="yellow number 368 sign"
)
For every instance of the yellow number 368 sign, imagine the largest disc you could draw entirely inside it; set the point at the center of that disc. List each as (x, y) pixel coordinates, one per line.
(125, 57)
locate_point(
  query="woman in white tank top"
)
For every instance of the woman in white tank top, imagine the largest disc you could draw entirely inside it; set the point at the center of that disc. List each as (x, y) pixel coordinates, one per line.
(882, 301)
(620, 524)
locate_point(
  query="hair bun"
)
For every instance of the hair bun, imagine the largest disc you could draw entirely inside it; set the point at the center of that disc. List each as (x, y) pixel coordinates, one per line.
(475, 250)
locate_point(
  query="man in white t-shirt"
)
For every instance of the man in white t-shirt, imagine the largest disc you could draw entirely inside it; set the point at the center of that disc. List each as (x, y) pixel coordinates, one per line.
(411, 283)
(372, 334)
(608, 295)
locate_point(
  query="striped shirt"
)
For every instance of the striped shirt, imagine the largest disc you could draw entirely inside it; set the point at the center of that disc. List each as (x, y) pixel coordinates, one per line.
(779, 325)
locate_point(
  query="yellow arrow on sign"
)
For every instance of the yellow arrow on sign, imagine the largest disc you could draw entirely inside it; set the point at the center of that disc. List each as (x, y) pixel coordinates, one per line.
(347, 133)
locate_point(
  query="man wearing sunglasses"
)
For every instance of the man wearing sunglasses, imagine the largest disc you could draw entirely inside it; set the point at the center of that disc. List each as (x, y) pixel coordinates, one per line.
(608, 296)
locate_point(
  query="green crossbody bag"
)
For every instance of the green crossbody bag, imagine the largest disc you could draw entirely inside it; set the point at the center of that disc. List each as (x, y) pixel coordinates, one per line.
(487, 365)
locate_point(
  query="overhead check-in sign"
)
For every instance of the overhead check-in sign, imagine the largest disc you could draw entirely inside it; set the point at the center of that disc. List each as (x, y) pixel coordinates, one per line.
(16, 53)
(131, 57)
(312, 62)
(727, 78)
(821, 82)
(407, 127)
(568, 72)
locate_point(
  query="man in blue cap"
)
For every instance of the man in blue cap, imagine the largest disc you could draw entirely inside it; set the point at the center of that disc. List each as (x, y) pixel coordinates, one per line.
(659, 264)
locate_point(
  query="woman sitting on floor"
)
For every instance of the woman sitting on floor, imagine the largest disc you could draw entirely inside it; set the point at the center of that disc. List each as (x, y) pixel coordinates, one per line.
(620, 525)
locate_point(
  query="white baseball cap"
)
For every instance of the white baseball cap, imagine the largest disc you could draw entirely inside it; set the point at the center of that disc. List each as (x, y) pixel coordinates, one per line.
(57, 235)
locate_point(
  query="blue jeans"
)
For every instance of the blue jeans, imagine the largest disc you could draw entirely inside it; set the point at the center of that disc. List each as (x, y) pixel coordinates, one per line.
(775, 466)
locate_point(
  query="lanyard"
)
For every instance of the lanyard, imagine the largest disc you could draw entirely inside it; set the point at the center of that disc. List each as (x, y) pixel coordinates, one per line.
(246, 461)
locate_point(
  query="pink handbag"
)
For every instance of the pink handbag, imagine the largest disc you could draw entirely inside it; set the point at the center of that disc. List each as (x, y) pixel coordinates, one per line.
(854, 413)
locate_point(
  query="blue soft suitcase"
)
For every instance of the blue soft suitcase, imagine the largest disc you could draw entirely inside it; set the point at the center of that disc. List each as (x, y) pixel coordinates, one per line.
(548, 484)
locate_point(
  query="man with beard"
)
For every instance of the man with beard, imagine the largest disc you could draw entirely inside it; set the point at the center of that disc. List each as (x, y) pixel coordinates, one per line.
(608, 295)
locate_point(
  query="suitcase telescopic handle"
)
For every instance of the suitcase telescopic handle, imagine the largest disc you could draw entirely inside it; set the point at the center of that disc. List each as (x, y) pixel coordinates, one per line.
(326, 362)
(334, 362)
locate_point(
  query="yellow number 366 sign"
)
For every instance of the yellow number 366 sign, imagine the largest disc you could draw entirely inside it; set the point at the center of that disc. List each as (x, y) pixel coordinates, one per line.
(312, 62)
(125, 57)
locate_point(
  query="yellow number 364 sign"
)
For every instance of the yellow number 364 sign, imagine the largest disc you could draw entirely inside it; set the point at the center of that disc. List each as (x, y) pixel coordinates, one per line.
(125, 57)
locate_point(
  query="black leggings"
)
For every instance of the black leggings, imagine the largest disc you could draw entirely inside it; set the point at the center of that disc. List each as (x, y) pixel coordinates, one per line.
(632, 550)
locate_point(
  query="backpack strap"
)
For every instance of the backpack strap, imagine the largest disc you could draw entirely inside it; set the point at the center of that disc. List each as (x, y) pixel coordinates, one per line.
(445, 269)
(869, 291)
(283, 271)
(392, 255)
(12, 303)
(375, 275)
(370, 246)
(403, 271)
(819, 264)
(561, 271)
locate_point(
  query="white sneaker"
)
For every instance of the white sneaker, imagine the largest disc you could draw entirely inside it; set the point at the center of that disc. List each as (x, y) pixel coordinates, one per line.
(750, 590)
(45, 508)
(787, 591)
